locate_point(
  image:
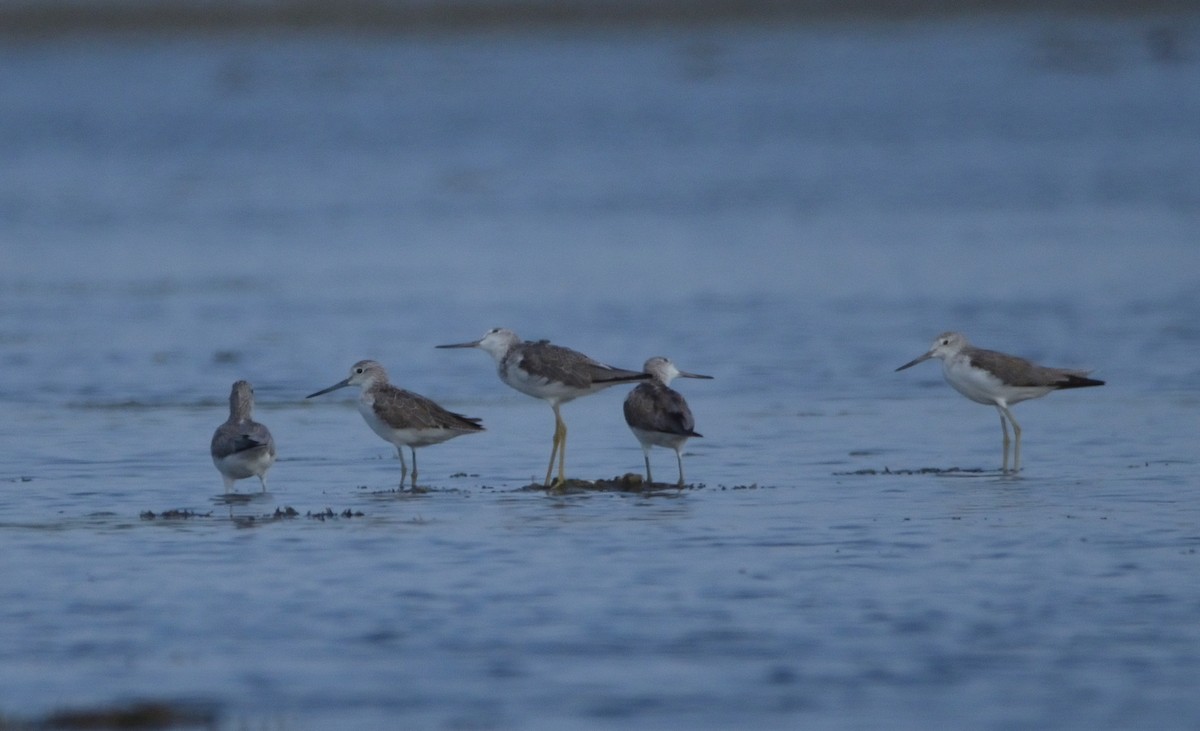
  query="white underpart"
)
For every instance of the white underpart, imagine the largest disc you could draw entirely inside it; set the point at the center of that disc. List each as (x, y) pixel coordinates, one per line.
(982, 387)
(240, 465)
(399, 437)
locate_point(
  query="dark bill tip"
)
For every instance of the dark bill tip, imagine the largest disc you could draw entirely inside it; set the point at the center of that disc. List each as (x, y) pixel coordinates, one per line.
(915, 361)
(334, 387)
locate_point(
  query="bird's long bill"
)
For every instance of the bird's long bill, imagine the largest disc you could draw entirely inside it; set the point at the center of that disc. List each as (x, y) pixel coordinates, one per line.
(472, 344)
(685, 374)
(915, 361)
(340, 384)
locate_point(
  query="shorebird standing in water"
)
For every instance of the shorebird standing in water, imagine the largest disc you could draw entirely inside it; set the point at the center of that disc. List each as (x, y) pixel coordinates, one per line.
(998, 379)
(552, 373)
(658, 415)
(403, 418)
(241, 447)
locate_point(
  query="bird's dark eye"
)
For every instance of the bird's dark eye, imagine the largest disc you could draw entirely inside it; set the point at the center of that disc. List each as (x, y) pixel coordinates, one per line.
(358, 370)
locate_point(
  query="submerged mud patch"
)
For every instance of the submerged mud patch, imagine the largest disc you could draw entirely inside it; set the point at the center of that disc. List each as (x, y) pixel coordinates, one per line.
(285, 513)
(920, 471)
(134, 715)
(629, 482)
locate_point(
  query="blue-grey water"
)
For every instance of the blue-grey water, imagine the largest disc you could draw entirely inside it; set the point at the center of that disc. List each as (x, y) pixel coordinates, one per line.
(795, 208)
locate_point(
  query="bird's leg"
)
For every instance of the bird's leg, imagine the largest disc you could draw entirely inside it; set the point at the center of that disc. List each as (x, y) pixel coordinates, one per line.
(562, 451)
(262, 481)
(553, 444)
(646, 456)
(1016, 439)
(1017, 443)
(403, 466)
(679, 459)
(553, 453)
(414, 472)
(1004, 428)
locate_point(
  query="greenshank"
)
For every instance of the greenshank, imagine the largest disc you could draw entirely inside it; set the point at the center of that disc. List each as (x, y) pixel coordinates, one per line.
(400, 417)
(241, 447)
(998, 379)
(549, 372)
(658, 415)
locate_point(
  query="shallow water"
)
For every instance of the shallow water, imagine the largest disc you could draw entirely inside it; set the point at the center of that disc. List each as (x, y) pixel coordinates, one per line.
(795, 210)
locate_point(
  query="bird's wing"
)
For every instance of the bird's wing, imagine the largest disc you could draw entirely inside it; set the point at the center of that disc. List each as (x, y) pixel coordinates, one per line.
(654, 407)
(401, 409)
(232, 438)
(570, 366)
(1020, 372)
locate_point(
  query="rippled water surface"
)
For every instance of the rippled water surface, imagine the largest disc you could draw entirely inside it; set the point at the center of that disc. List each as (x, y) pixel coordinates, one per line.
(795, 209)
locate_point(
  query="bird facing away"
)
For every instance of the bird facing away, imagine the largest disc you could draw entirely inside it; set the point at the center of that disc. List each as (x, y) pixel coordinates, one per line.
(403, 418)
(998, 379)
(552, 373)
(241, 447)
(658, 415)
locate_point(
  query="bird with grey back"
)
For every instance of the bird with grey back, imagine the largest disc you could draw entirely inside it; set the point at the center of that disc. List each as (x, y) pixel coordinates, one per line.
(658, 415)
(400, 417)
(552, 373)
(1000, 380)
(241, 447)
